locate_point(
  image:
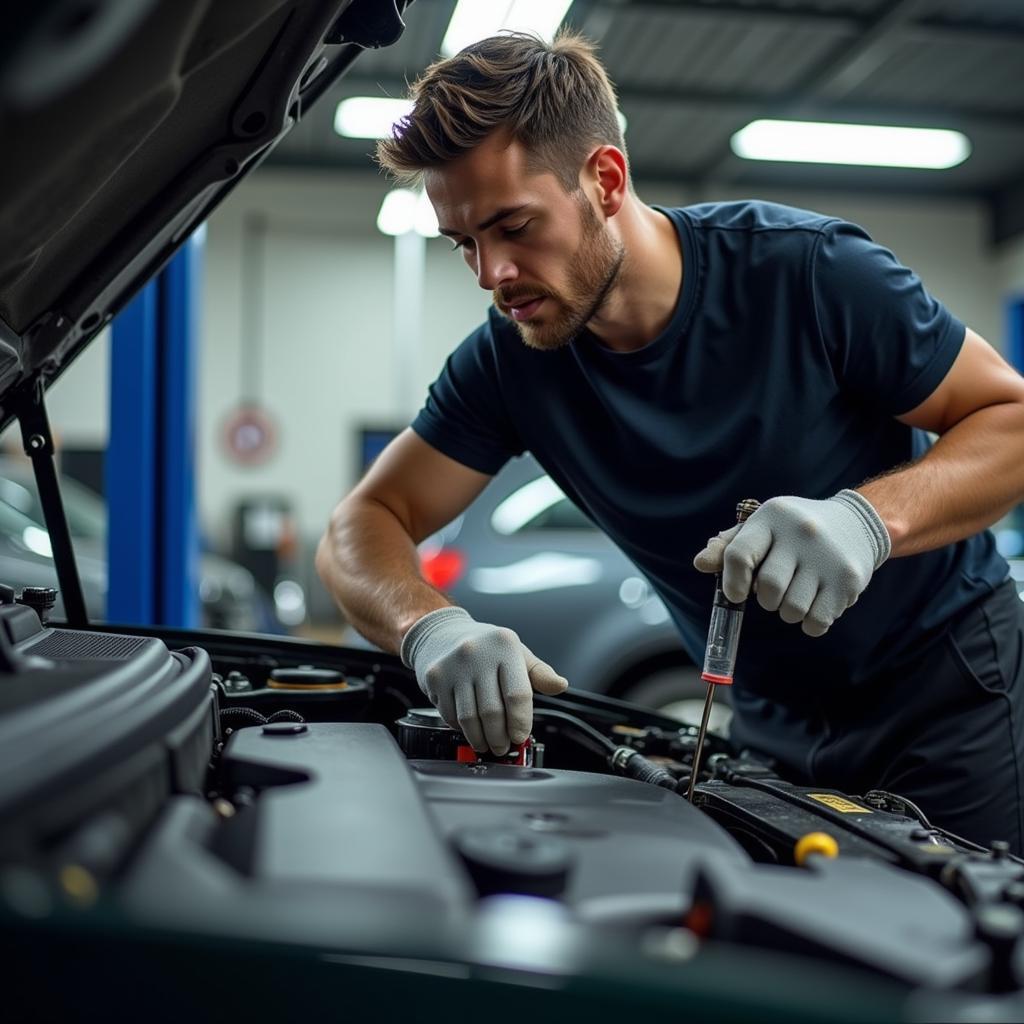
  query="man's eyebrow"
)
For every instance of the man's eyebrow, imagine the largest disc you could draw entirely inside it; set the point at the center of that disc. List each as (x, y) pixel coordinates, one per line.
(505, 211)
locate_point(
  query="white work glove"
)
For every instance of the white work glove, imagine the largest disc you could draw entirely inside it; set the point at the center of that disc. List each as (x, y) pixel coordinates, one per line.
(808, 560)
(480, 677)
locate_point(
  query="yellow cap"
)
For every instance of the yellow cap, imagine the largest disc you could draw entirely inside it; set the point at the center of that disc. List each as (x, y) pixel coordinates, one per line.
(814, 842)
(79, 885)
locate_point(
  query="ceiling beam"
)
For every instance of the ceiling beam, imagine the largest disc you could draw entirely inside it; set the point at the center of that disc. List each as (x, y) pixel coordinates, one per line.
(851, 64)
(928, 26)
(808, 13)
(842, 68)
(941, 29)
(595, 16)
(897, 113)
(742, 102)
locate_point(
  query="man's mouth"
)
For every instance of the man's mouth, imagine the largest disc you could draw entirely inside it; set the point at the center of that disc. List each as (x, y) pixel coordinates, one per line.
(524, 310)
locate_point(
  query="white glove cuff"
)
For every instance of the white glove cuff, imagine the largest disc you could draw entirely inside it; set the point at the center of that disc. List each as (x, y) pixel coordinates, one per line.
(424, 625)
(872, 521)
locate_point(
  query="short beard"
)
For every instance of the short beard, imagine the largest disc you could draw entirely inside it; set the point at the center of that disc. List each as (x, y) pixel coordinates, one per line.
(593, 272)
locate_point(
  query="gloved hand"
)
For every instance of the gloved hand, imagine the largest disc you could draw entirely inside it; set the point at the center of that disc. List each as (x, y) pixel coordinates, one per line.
(808, 560)
(480, 677)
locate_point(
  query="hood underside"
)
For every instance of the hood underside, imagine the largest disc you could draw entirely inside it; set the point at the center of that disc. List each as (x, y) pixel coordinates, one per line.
(125, 123)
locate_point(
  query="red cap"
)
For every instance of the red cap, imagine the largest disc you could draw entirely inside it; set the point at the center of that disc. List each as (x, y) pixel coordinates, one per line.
(710, 677)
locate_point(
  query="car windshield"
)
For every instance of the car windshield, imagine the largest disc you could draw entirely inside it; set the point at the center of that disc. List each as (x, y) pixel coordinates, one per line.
(86, 511)
(538, 505)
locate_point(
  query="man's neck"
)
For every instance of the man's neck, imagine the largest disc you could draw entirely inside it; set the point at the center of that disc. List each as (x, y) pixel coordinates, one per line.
(645, 297)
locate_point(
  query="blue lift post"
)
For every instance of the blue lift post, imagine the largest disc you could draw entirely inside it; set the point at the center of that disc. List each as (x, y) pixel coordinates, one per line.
(152, 534)
(1015, 332)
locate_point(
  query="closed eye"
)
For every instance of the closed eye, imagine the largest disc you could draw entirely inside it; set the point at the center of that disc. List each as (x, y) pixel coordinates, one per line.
(508, 232)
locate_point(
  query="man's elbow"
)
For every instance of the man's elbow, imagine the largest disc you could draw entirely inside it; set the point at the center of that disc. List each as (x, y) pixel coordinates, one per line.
(324, 560)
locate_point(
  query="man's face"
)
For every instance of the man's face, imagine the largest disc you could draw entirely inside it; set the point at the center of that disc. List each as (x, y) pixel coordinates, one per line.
(544, 254)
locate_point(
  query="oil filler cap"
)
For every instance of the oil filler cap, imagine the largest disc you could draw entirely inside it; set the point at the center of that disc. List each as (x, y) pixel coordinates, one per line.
(40, 599)
(513, 861)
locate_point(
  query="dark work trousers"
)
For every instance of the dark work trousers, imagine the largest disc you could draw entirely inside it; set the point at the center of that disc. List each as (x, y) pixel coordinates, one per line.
(945, 730)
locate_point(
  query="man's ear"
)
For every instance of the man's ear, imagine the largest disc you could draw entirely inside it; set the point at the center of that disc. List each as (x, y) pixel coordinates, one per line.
(606, 178)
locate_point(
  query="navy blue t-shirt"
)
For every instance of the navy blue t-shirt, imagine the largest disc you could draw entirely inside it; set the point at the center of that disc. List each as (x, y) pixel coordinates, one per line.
(795, 342)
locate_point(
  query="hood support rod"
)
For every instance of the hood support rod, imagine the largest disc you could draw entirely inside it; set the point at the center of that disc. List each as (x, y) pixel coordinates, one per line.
(38, 442)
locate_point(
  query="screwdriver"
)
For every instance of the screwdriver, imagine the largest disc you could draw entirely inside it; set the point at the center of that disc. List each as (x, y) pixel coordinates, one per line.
(723, 644)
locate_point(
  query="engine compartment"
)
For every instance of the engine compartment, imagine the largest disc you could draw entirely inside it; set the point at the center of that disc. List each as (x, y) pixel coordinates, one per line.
(256, 790)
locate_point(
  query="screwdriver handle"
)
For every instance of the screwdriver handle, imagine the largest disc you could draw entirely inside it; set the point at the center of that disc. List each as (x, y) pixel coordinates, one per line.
(746, 508)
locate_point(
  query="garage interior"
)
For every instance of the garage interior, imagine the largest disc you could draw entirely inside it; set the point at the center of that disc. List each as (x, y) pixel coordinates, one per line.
(294, 257)
(207, 774)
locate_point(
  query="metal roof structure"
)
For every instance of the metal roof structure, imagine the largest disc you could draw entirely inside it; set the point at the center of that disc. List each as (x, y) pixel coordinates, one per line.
(690, 73)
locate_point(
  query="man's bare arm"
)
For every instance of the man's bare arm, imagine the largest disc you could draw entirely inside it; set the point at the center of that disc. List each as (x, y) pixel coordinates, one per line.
(974, 474)
(367, 557)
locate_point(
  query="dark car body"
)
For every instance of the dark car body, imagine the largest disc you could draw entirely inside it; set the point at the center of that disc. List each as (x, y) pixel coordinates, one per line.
(201, 825)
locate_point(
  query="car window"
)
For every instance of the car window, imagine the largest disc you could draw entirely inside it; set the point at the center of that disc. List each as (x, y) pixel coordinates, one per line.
(538, 505)
(25, 532)
(18, 496)
(85, 510)
(562, 515)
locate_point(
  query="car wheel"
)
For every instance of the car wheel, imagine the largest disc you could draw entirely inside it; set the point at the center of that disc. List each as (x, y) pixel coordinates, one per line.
(679, 692)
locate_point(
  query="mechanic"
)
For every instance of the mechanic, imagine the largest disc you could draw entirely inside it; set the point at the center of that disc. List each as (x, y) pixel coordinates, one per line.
(663, 363)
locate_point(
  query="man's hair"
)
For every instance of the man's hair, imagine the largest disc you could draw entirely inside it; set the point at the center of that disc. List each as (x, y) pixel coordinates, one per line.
(555, 99)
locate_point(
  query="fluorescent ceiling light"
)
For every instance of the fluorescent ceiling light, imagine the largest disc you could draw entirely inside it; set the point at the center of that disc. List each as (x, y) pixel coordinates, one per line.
(474, 20)
(369, 117)
(405, 210)
(866, 144)
(425, 223)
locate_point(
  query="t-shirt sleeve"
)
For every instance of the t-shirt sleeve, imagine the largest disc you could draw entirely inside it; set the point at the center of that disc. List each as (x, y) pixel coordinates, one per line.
(889, 342)
(465, 415)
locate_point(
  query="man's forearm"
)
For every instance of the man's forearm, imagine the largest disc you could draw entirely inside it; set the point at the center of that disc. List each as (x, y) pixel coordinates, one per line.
(369, 564)
(971, 477)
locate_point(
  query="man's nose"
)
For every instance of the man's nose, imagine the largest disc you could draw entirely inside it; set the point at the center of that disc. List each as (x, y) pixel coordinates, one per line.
(494, 269)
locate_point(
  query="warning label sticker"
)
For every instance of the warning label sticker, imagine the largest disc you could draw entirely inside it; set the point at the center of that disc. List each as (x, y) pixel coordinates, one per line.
(839, 803)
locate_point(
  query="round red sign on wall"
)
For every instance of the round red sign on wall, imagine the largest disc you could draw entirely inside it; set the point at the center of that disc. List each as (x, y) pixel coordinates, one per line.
(250, 435)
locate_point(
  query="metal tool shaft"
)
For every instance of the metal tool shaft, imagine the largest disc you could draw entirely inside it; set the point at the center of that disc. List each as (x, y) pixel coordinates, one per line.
(695, 767)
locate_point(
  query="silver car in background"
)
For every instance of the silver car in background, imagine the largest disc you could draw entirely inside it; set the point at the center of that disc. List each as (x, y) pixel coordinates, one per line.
(228, 595)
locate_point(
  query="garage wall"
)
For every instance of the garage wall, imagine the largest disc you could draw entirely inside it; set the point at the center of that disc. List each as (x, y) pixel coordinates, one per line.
(78, 411)
(329, 362)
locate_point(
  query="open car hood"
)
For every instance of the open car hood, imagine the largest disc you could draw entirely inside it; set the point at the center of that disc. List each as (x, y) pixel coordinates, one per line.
(125, 123)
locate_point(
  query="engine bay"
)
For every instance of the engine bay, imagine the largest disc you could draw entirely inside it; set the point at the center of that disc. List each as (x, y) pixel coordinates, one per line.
(218, 788)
